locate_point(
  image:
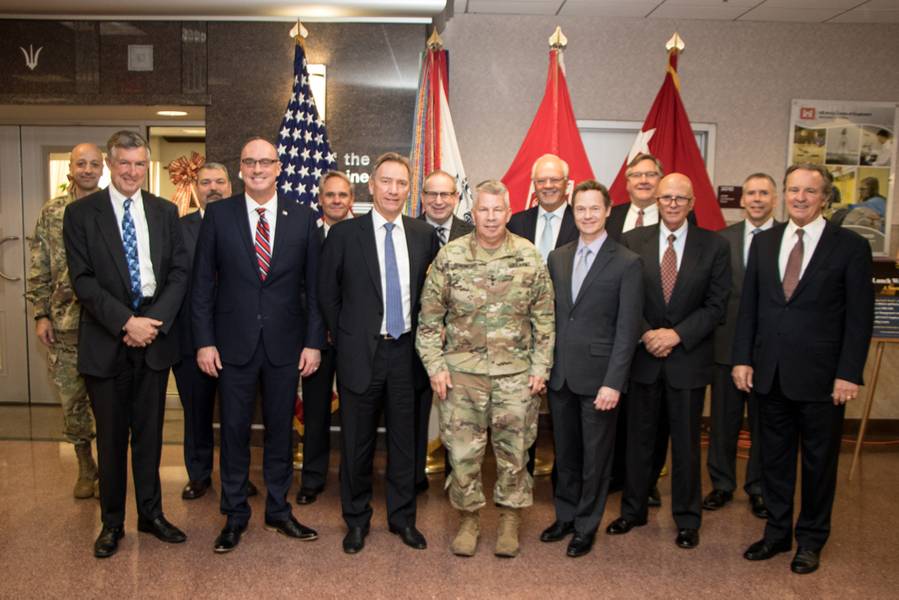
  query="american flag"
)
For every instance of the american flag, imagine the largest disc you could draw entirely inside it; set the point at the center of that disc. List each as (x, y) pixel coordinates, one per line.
(303, 146)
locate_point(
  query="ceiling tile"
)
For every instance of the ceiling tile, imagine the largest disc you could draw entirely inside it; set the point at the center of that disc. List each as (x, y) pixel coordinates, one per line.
(719, 11)
(597, 8)
(713, 3)
(881, 5)
(861, 15)
(797, 15)
(803, 4)
(514, 7)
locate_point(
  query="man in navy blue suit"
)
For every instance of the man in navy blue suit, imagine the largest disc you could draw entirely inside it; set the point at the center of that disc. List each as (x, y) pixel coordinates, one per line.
(256, 257)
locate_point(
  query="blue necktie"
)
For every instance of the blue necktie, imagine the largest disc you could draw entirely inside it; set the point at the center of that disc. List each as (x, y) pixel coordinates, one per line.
(581, 267)
(395, 322)
(129, 239)
(546, 238)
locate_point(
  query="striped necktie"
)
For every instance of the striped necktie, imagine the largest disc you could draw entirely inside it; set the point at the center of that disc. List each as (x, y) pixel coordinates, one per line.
(263, 245)
(129, 240)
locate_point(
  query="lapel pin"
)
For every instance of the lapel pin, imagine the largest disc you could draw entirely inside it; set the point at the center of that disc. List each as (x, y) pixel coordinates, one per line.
(284, 212)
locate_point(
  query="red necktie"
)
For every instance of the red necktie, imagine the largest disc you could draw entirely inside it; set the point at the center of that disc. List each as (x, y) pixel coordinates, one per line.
(669, 269)
(794, 266)
(639, 222)
(263, 245)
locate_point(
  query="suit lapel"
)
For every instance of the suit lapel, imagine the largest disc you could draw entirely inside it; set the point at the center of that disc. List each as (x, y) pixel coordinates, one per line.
(285, 218)
(599, 263)
(414, 257)
(566, 256)
(530, 225)
(370, 251)
(108, 224)
(567, 228)
(692, 251)
(154, 231)
(242, 223)
(650, 254)
(822, 251)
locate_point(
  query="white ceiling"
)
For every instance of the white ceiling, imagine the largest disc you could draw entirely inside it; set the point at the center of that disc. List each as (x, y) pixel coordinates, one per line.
(804, 11)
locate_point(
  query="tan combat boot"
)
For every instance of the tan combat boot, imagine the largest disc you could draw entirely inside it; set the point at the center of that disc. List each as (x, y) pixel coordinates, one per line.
(507, 532)
(466, 541)
(87, 471)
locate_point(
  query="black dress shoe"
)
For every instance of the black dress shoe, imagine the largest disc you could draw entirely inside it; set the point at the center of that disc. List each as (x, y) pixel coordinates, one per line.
(162, 529)
(806, 561)
(655, 498)
(228, 538)
(196, 489)
(579, 545)
(107, 542)
(292, 528)
(354, 540)
(717, 499)
(410, 536)
(623, 525)
(763, 549)
(306, 496)
(687, 538)
(251, 489)
(557, 531)
(757, 503)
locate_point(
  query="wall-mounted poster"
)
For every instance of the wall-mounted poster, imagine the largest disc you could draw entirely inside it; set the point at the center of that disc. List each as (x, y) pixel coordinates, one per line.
(855, 141)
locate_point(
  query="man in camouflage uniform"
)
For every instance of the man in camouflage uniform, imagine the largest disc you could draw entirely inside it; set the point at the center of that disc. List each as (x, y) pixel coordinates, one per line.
(56, 311)
(486, 336)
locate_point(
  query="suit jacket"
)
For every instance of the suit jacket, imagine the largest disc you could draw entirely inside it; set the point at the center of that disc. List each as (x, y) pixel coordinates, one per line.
(458, 227)
(99, 274)
(190, 233)
(524, 223)
(696, 308)
(232, 307)
(597, 332)
(822, 332)
(350, 292)
(615, 222)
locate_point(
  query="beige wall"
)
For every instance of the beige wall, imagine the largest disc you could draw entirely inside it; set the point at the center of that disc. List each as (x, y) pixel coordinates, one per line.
(741, 76)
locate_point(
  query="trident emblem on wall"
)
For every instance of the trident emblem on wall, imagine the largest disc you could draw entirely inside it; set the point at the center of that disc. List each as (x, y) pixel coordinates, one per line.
(31, 56)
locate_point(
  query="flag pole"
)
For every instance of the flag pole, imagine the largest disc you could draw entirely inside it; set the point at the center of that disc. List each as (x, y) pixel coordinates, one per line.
(674, 46)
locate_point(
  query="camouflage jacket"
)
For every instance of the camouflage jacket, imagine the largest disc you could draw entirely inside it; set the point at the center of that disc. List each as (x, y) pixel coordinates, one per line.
(487, 314)
(49, 288)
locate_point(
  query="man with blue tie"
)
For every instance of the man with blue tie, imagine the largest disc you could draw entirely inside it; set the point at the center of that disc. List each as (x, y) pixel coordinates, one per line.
(373, 268)
(128, 267)
(256, 258)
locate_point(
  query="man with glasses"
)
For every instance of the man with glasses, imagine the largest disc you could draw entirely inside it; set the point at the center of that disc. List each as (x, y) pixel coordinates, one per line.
(550, 224)
(804, 326)
(686, 281)
(256, 258)
(439, 198)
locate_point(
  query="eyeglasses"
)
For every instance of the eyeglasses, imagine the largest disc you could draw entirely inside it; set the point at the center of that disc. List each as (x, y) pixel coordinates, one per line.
(442, 195)
(549, 181)
(676, 200)
(262, 162)
(643, 175)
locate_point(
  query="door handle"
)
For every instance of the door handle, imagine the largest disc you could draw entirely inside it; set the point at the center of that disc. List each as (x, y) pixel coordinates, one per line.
(9, 238)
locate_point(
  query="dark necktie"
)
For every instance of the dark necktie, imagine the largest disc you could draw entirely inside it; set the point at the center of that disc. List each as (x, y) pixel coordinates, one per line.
(639, 222)
(794, 266)
(441, 234)
(668, 269)
(395, 322)
(263, 245)
(129, 240)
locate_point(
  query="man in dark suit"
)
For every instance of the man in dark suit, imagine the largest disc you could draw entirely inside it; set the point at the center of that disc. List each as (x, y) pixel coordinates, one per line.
(129, 268)
(599, 307)
(686, 277)
(335, 197)
(805, 322)
(196, 389)
(372, 271)
(256, 257)
(758, 200)
(439, 199)
(549, 225)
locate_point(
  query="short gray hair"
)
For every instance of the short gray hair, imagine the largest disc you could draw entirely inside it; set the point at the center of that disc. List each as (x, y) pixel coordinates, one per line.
(493, 187)
(126, 140)
(819, 169)
(216, 166)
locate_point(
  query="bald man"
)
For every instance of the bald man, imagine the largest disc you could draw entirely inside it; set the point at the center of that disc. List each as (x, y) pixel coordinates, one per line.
(686, 281)
(56, 311)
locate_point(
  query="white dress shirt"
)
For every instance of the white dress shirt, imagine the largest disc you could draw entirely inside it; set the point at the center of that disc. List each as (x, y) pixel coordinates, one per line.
(748, 236)
(402, 264)
(559, 214)
(650, 216)
(810, 240)
(271, 215)
(680, 241)
(147, 277)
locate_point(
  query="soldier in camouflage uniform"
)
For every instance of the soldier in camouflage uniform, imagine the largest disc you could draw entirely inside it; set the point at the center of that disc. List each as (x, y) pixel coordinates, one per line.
(486, 335)
(56, 311)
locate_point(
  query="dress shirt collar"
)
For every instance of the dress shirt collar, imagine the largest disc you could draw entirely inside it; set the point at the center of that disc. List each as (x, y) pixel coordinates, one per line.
(378, 221)
(118, 198)
(650, 211)
(595, 246)
(446, 224)
(270, 207)
(664, 232)
(559, 213)
(749, 227)
(812, 230)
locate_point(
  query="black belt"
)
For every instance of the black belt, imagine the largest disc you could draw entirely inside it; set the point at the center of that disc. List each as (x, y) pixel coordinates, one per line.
(390, 338)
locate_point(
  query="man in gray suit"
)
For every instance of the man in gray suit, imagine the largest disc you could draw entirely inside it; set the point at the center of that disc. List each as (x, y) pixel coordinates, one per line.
(599, 305)
(758, 200)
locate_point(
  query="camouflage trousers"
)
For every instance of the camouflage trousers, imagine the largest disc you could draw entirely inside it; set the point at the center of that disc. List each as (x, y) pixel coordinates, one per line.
(62, 357)
(503, 405)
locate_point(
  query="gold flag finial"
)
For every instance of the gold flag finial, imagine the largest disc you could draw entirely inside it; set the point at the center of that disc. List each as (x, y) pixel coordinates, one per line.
(298, 32)
(435, 42)
(676, 41)
(557, 39)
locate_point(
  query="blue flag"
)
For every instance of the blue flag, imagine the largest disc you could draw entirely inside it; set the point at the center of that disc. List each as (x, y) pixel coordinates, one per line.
(303, 146)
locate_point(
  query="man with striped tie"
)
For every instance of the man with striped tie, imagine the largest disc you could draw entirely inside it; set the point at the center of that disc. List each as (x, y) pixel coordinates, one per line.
(256, 256)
